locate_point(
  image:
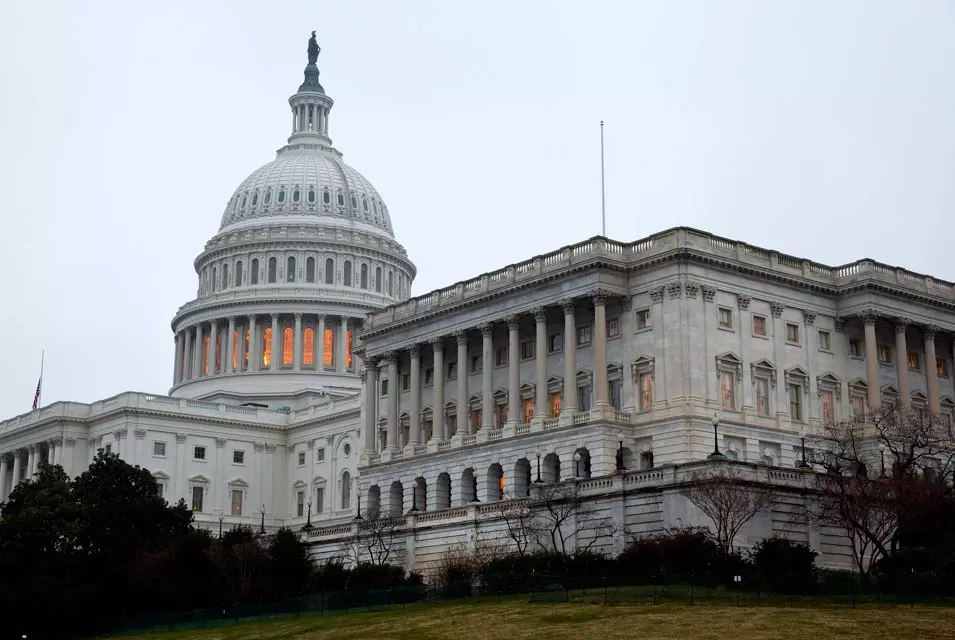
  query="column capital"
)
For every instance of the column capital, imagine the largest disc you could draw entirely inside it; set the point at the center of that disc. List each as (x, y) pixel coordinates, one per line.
(599, 296)
(231, 319)
(840, 324)
(321, 316)
(56, 441)
(297, 315)
(140, 434)
(869, 317)
(258, 446)
(274, 316)
(7, 456)
(414, 350)
(656, 294)
(777, 308)
(513, 322)
(930, 331)
(742, 301)
(363, 374)
(181, 438)
(486, 329)
(809, 317)
(389, 358)
(69, 442)
(540, 314)
(901, 325)
(220, 442)
(709, 293)
(437, 344)
(568, 307)
(461, 336)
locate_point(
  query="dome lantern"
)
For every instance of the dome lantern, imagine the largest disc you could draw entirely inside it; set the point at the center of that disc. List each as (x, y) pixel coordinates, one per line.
(310, 106)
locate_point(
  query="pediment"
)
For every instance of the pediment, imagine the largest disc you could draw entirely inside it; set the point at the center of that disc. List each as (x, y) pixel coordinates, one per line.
(729, 357)
(199, 478)
(858, 383)
(797, 372)
(829, 378)
(764, 363)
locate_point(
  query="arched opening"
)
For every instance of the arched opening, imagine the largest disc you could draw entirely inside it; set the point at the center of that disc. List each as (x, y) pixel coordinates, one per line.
(267, 347)
(273, 266)
(346, 490)
(468, 486)
(346, 276)
(378, 279)
(364, 276)
(395, 497)
(238, 273)
(290, 269)
(550, 468)
(420, 500)
(225, 276)
(254, 275)
(442, 491)
(288, 346)
(373, 501)
(308, 347)
(391, 283)
(494, 483)
(522, 479)
(582, 463)
(310, 270)
(214, 279)
(329, 271)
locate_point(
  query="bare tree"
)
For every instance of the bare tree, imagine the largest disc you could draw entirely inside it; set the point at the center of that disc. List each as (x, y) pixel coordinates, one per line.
(559, 514)
(728, 500)
(518, 517)
(374, 541)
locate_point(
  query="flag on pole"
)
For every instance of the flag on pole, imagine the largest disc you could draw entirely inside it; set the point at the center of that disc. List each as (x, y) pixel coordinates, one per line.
(39, 384)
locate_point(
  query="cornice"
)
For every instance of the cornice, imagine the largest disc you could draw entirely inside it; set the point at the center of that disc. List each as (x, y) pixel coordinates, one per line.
(264, 245)
(321, 420)
(269, 304)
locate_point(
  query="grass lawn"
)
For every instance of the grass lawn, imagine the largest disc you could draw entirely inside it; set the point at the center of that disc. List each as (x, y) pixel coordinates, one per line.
(518, 618)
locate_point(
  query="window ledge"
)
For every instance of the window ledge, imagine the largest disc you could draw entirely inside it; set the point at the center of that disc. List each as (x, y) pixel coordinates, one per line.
(643, 330)
(852, 357)
(793, 344)
(885, 364)
(730, 329)
(582, 345)
(829, 351)
(760, 336)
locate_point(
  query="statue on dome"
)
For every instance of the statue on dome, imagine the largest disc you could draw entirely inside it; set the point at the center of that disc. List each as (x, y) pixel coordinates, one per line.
(313, 49)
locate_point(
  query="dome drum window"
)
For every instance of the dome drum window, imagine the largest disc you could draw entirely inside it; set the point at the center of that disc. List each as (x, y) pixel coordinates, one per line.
(255, 198)
(354, 202)
(296, 195)
(341, 200)
(326, 196)
(311, 196)
(281, 195)
(364, 204)
(268, 196)
(244, 199)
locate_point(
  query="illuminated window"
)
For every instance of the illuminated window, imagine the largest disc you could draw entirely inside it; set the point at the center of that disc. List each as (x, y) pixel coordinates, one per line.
(914, 361)
(267, 347)
(238, 273)
(218, 363)
(329, 271)
(348, 355)
(828, 408)
(205, 355)
(555, 404)
(310, 270)
(346, 276)
(254, 276)
(729, 390)
(248, 343)
(308, 357)
(363, 278)
(288, 346)
(527, 408)
(646, 391)
(272, 268)
(941, 366)
(290, 270)
(328, 357)
(235, 350)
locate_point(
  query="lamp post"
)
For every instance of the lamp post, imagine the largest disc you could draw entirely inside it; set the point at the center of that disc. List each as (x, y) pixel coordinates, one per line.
(414, 497)
(576, 464)
(882, 458)
(716, 455)
(262, 527)
(802, 440)
(539, 454)
(620, 451)
(476, 499)
(221, 518)
(308, 521)
(358, 493)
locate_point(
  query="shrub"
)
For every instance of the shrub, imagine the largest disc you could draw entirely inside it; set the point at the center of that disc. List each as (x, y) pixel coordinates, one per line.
(784, 566)
(687, 553)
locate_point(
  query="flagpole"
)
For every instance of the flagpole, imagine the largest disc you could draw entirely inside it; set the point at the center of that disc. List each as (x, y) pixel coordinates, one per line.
(39, 401)
(603, 193)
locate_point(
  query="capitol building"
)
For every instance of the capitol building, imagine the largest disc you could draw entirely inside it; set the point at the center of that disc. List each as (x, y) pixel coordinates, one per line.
(309, 385)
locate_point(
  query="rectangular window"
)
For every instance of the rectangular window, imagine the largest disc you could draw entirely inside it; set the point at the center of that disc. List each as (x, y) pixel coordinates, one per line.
(646, 392)
(613, 327)
(762, 397)
(109, 448)
(616, 392)
(301, 458)
(159, 449)
(319, 499)
(477, 417)
(384, 388)
(725, 318)
(527, 350)
(199, 453)
(728, 386)
(476, 364)
(527, 408)
(405, 381)
(300, 504)
(288, 346)
(792, 333)
(828, 408)
(885, 354)
(348, 348)
(795, 402)
(238, 457)
(914, 361)
(500, 414)
(855, 348)
(320, 456)
(858, 406)
(583, 335)
(328, 348)
(429, 376)
(197, 493)
(759, 326)
(452, 370)
(825, 341)
(583, 398)
(237, 502)
(642, 318)
(554, 400)
(941, 366)
(555, 342)
(500, 357)
(308, 347)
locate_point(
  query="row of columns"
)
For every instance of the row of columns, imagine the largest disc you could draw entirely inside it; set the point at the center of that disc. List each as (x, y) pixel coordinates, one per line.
(874, 400)
(25, 461)
(191, 356)
(541, 409)
(300, 118)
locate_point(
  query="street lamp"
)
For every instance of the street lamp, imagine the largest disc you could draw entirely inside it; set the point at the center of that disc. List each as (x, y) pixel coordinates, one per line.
(476, 499)
(358, 493)
(539, 454)
(221, 518)
(262, 528)
(414, 497)
(576, 464)
(802, 439)
(308, 522)
(716, 455)
(620, 451)
(882, 458)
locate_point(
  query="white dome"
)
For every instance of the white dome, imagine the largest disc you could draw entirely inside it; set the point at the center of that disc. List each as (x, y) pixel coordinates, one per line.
(304, 181)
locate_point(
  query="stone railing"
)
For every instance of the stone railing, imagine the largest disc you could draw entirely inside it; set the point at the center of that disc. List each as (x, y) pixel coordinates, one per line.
(677, 239)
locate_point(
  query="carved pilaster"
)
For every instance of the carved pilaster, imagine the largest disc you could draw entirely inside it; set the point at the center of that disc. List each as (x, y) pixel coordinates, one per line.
(742, 301)
(691, 289)
(777, 309)
(330, 439)
(69, 442)
(675, 289)
(220, 442)
(258, 446)
(709, 293)
(656, 294)
(809, 317)
(181, 438)
(269, 448)
(840, 324)
(627, 303)
(140, 434)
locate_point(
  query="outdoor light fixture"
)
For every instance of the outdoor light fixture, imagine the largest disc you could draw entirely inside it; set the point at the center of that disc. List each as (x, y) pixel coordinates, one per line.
(576, 464)
(358, 493)
(308, 522)
(539, 454)
(802, 439)
(716, 455)
(620, 451)
(262, 528)
(221, 518)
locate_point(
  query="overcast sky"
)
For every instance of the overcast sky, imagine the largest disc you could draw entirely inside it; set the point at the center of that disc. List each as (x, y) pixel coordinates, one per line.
(821, 129)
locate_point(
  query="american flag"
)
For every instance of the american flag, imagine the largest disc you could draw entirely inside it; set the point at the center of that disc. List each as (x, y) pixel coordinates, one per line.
(36, 396)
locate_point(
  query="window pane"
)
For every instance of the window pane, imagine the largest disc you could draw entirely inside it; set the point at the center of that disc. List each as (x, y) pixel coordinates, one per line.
(267, 347)
(237, 502)
(308, 347)
(348, 354)
(288, 346)
(329, 348)
(197, 498)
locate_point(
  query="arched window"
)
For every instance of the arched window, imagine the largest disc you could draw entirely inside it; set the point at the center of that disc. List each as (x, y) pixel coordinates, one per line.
(238, 273)
(364, 276)
(310, 270)
(272, 267)
(348, 344)
(347, 273)
(346, 490)
(296, 195)
(235, 350)
(378, 279)
(364, 204)
(341, 200)
(354, 202)
(311, 195)
(288, 346)
(215, 282)
(308, 347)
(326, 196)
(254, 276)
(391, 283)
(267, 347)
(328, 351)
(282, 195)
(329, 271)
(244, 198)
(268, 196)
(290, 269)
(255, 198)
(225, 276)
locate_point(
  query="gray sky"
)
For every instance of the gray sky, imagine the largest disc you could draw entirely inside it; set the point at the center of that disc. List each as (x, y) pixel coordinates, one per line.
(821, 129)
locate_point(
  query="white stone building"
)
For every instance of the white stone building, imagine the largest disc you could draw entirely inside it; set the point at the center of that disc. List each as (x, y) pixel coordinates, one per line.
(307, 380)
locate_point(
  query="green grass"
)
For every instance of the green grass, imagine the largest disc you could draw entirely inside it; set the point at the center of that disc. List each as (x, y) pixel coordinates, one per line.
(516, 618)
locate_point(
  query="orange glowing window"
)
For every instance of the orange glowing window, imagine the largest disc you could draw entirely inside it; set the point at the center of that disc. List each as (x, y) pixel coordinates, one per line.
(308, 358)
(235, 349)
(288, 346)
(501, 495)
(218, 362)
(267, 347)
(205, 355)
(348, 355)
(248, 341)
(328, 359)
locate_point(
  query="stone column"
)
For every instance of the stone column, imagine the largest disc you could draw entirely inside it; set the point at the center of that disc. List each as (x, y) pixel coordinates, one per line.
(253, 345)
(177, 365)
(297, 350)
(570, 358)
(869, 318)
(211, 355)
(224, 354)
(414, 435)
(58, 443)
(931, 372)
(51, 448)
(541, 409)
(393, 391)
(17, 461)
(487, 376)
(439, 429)
(3, 477)
(199, 350)
(342, 355)
(276, 346)
(233, 359)
(902, 363)
(187, 355)
(320, 344)
(513, 371)
(31, 461)
(462, 339)
(369, 382)
(601, 387)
